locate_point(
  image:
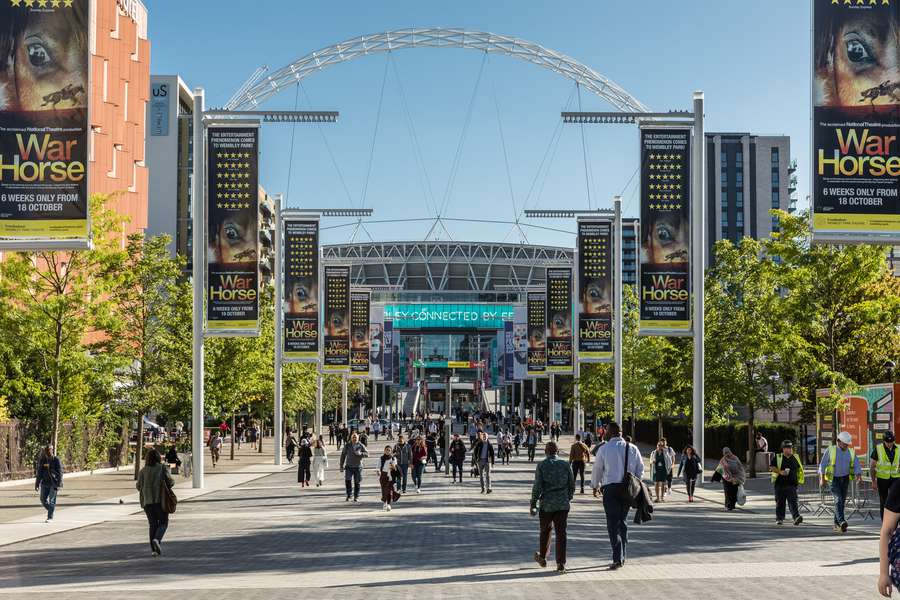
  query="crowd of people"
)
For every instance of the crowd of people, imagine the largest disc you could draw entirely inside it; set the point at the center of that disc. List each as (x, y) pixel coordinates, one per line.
(615, 475)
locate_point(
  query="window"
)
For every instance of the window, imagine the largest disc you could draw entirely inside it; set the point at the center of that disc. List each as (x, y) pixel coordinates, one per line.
(740, 220)
(724, 159)
(739, 179)
(775, 157)
(739, 199)
(724, 177)
(739, 158)
(776, 180)
(724, 220)
(724, 233)
(724, 199)
(776, 200)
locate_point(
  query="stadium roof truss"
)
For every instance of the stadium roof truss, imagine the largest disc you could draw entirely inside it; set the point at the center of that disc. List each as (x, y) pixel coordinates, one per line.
(263, 85)
(447, 265)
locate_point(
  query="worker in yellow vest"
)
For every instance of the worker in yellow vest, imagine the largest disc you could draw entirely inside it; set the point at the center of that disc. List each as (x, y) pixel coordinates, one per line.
(838, 468)
(787, 474)
(884, 466)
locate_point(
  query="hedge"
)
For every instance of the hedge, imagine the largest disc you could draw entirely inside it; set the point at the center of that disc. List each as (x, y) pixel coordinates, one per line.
(733, 435)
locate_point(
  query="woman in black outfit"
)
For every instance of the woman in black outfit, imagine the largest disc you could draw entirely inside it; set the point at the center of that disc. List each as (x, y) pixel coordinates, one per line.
(304, 458)
(690, 468)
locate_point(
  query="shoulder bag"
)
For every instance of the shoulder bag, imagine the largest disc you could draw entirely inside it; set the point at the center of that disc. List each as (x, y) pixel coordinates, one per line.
(631, 485)
(168, 499)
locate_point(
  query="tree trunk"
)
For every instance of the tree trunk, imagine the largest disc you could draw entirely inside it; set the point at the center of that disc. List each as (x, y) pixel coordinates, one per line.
(57, 385)
(259, 435)
(659, 426)
(750, 439)
(232, 436)
(139, 447)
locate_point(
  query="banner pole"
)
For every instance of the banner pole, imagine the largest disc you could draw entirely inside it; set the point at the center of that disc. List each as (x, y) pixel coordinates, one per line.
(522, 399)
(279, 328)
(617, 292)
(198, 213)
(698, 240)
(552, 395)
(344, 399)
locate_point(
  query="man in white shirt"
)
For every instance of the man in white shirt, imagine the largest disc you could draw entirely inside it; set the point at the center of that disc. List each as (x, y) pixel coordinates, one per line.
(607, 476)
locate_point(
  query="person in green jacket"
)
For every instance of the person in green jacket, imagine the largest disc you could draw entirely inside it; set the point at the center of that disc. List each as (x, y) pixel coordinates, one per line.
(554, 487)
(149, 483)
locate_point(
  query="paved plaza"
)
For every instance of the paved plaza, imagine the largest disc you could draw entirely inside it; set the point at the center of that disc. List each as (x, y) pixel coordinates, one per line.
(264, 537)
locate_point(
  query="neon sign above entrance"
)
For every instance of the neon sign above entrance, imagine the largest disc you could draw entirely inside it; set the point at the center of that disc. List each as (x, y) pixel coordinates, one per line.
(448, 316)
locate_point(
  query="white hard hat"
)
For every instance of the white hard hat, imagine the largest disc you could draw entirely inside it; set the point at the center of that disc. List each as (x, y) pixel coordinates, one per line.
(845, 437)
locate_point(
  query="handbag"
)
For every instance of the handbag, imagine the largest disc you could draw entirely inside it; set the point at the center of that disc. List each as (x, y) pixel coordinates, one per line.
(741, 495)
(631, 485)
(168, 499)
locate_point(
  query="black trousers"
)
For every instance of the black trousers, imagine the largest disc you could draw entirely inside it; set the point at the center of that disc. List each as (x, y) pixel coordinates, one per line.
(883, 486)
(691, 485)
(303, 472)
(158, 520)
(531, 453)
(578, 467)
(788, 494)
(731, 490)
(554, 520)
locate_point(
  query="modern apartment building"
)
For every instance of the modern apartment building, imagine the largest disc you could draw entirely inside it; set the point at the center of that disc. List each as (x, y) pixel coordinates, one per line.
(120, 88)
(747, 176)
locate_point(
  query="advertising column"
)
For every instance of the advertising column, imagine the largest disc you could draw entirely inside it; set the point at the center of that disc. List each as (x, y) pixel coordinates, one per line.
(44, 124)
(359, 334)
(232, 276)
(856, 121)
(301, 291)
(389, 352)
(595, 291)
(559, 320)
(537, 338)
(376, 343)
(336, 326)
(665, 231)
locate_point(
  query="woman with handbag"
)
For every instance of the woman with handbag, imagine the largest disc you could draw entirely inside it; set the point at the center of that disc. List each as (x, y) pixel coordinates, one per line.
(386, 469)
(733, 476)
(151, 479)
(419, 460)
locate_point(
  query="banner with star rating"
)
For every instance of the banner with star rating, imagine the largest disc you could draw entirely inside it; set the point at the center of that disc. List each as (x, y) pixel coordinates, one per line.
(232, 272)
(665, 294)
(559, 320)
(855, 121)
(301, 290)
(537, 334)
(359, 334)
(45, 55)
(336, 331)
(595, 295)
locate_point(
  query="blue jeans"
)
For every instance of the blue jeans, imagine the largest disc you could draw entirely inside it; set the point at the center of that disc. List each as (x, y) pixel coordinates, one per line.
(418, 469)
(158, 519)
(352, 479)
(616, 509)
(401, 477)
(48, 499)
(839, 487)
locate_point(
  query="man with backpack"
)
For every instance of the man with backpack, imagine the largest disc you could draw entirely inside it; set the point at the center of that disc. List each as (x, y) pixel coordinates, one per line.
(608, 477)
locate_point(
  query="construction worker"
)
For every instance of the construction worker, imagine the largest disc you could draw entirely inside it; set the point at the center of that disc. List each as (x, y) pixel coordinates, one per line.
(838, 468)
(787, 474)
(884, 466)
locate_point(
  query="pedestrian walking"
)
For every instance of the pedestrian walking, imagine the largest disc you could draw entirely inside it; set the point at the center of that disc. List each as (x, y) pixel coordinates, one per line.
(517, 440)
(608, 478)
(431, 446)
(884, 465)
(215, 447)
(319, 462)
(733, 475)
(403, 454)
(670, 452)
(661, 465)
(351, 464)
(331, 432)
(483, 457)
(441, 448)
(419, 460)
(291, 446)
(551, 496)
(838, 468)
(787, 474)
(579, 454)
(889, 543)
(531, 441)
(151, 479)
(690, 468)
(457, 457)
(387, 468)
(304, 462)
(48, 479)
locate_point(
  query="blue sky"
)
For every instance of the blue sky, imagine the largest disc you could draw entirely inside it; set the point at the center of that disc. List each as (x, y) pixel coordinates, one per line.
(751, 58)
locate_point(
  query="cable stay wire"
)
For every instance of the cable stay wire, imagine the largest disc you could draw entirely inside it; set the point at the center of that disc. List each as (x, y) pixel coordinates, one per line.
(424, 179)
(512, 194)
(365, 190)
(584, 154)
(287, 193)
(454, 169)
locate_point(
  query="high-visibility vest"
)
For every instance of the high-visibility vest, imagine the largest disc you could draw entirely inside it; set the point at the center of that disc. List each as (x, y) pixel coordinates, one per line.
(884, 468)
(800, 476)
(829, 470)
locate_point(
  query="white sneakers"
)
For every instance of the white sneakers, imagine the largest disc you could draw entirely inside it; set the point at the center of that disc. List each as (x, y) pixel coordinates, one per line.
(387, 507)
(418, 491)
